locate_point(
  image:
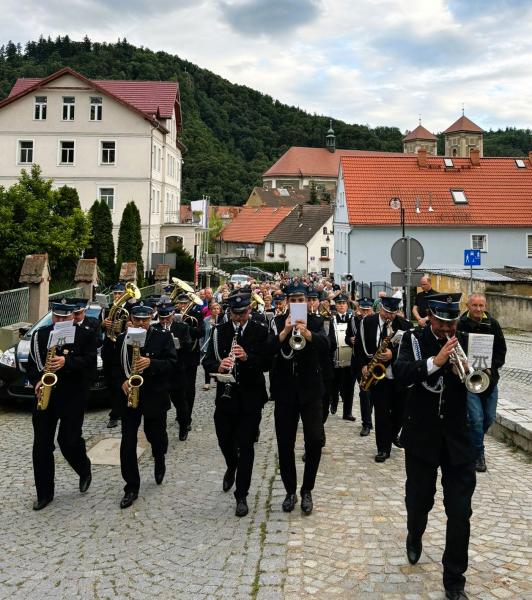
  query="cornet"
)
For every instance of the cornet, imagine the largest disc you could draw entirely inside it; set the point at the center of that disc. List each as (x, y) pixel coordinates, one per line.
(476, 382)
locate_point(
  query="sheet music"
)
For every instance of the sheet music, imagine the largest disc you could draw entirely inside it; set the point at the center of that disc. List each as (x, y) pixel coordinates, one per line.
(63, 333)
(479, 350)
(298, 312)
(136, 334)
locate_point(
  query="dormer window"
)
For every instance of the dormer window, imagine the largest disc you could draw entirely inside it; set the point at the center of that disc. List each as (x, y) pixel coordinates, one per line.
(520, 163)
(69, 103)
(40, 108)
(459, 196)
(448, 163)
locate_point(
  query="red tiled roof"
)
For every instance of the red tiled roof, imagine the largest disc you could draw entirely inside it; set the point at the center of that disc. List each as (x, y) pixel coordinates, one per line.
(463, 124)
(152, 98)
(252, 225)
(298, 161)
(419, 133)
(499, 193)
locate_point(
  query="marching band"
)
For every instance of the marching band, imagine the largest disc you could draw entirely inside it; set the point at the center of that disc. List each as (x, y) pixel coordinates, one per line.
(317, 344)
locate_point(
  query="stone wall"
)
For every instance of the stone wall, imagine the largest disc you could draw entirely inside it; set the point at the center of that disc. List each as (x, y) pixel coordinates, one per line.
(511, 311)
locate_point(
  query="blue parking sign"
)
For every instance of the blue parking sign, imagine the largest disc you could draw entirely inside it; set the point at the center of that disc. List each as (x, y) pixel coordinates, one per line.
(471, 258)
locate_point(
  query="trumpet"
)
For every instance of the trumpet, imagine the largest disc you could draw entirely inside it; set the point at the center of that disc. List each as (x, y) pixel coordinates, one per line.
(297, 341)
(477, 381)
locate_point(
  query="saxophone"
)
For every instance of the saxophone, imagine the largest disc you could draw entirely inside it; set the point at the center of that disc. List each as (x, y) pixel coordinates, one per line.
(376, 370)
(135, 379)
(48, 381)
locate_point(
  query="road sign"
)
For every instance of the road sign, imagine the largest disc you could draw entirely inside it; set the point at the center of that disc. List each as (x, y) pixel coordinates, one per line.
(471, 258)
(404, 249)
(399, 278)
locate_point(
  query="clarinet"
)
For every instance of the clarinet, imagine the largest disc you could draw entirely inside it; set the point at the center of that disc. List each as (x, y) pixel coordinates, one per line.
(228, 386)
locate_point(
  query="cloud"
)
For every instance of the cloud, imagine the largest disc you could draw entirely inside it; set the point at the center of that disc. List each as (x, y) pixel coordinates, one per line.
(252, 17)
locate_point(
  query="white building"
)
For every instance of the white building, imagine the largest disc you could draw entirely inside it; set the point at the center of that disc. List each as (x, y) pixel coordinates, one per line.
(111, 140)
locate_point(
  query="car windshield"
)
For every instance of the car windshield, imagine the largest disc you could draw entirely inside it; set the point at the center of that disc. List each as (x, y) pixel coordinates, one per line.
(92, 311)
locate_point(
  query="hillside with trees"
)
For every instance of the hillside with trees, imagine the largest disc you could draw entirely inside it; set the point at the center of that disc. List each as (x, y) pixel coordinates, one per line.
(233, 133)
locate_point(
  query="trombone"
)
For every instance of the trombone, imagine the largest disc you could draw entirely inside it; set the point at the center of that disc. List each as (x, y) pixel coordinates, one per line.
(477, 381)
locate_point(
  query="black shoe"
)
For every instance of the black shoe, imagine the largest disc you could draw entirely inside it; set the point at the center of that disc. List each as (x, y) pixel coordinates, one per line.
(289, 502)
(159, 470)
(183, 434)
(456, 595)
(128, 499)
(189, 427)
(413, 549)
(241, 507)
(113, 422)
(333, 409)
(306, 502)
(229, 480)
(382, 456)
(349, 418)
(257, 437)
(40, 504)
(304, 456)
(396, 442)
(84, 482)
(365, 431)
(480, 465)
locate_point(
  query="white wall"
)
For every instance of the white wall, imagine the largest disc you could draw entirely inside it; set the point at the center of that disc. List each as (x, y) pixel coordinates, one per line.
(315, 245)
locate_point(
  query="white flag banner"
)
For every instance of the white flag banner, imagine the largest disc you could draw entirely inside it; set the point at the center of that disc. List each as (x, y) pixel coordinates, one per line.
(479, 351)
(200, 208)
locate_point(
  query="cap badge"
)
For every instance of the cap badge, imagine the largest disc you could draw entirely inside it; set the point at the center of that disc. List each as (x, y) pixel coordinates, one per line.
(449, 299)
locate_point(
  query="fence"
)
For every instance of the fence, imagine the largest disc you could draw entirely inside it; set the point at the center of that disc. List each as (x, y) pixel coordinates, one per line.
(71, 293)
(14, 306)
(371, 289)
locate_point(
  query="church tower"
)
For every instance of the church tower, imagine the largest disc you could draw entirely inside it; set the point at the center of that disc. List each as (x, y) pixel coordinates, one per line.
(330, 139)
(462, 137)
(420, 139)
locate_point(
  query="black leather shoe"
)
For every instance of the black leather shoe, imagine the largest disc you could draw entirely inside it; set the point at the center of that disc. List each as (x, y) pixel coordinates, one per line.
(241, 507)
(333, 409)
(189, 427)
(289, 502)
(40, 504)
(306, 502)
(365, 431)
(159, 470)
(413, 549)
(84, 482)
(113, 422)
(396, 442)
(349, 418)
(229, 480)
(480, 465)
(456, 595)
(183, 434)
(381, 456)
(128, 499)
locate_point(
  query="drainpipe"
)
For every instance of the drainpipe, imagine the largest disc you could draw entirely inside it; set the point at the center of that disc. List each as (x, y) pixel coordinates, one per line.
(148, 262)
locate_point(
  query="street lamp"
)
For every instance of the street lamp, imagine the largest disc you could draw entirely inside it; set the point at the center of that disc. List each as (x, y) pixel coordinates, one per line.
(396, 204)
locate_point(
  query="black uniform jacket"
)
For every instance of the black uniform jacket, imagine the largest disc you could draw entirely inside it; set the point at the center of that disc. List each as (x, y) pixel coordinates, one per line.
(160, 349)
(433, 422)
(352, 330)
(196, 332)
(73, 379)
(299, 373)
(180, 332)
(488, 325)
(249, 374)
(369, 330)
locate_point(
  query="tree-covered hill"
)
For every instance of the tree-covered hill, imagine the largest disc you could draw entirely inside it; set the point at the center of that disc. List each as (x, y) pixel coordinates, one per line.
(233, 133)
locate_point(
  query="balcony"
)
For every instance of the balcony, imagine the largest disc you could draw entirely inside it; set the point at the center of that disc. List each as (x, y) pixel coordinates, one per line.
(171, 217)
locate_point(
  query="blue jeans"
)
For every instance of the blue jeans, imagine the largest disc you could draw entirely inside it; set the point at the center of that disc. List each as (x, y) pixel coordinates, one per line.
(481, 411)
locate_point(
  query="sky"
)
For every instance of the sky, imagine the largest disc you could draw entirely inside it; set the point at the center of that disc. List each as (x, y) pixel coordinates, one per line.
(375, 62)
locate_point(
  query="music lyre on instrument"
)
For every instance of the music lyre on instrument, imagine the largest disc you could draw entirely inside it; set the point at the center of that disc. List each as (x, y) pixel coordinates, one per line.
(476, 382)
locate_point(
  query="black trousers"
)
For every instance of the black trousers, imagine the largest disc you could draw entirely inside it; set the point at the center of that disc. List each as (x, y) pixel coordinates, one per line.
(458, 482)
(178, 397)
(71, 444)
(343, 387)
(366, 406)
(287, 412)
(389, 411)
(190, 389)
(157, 436)
(236, 435)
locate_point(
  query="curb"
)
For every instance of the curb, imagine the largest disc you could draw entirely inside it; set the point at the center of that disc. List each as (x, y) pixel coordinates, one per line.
(513, 425)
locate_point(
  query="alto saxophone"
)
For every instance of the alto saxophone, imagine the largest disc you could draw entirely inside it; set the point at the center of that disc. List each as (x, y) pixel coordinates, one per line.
(48, 381)
(376, 369)
(135, 379)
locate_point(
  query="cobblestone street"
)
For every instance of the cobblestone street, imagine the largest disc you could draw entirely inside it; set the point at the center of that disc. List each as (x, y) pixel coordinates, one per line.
(182, 540)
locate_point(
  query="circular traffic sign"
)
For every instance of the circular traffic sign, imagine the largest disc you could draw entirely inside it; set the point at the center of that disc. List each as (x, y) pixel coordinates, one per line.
(401, 253)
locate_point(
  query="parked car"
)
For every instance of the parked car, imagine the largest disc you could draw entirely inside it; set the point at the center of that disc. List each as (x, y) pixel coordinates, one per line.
(255, 273)
(13, 362)
(240, 278)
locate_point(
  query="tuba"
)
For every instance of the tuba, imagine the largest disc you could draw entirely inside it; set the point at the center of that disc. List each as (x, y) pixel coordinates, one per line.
(118, 314)
(48, 381)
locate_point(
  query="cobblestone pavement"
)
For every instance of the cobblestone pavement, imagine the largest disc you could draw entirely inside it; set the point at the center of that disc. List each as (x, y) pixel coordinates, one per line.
(182, 540)
(515, 384)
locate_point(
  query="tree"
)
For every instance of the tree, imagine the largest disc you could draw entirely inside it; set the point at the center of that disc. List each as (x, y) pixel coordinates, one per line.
(215, 227)
(34, 219)
(129, 247)
(102, 246)
(184, 264)
(313, 193)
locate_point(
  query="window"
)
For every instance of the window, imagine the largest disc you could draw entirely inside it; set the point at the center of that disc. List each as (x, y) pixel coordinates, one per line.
(325, 231)
(324, 252)
(108, 196)
(96, 108)
(66, 152)
(283, 248)
(40, 108)
(479, 242)
(448, 163)
(459, 196)
(68, 108)
(108, 153)
(520, 163)
(529, 245)
(272, 247)
(25, 152)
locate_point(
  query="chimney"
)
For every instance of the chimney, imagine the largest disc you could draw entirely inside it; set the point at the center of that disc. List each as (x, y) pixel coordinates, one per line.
(422, 157)
(474, 156)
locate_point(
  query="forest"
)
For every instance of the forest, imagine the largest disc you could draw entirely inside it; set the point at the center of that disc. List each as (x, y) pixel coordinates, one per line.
(232, 133)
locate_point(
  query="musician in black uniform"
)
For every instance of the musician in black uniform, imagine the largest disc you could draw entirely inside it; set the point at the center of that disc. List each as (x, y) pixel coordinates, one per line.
(365, 308)
(239, 347)
(82, 319)
(183, 343)
(436, 434)
(157, 362)
(344, 384)
(74, 364)
(297, 389)
(385, 395)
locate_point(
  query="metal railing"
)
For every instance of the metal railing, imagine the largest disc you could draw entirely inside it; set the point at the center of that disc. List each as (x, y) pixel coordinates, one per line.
(71, 293)
(14, 306)
(148, 290)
